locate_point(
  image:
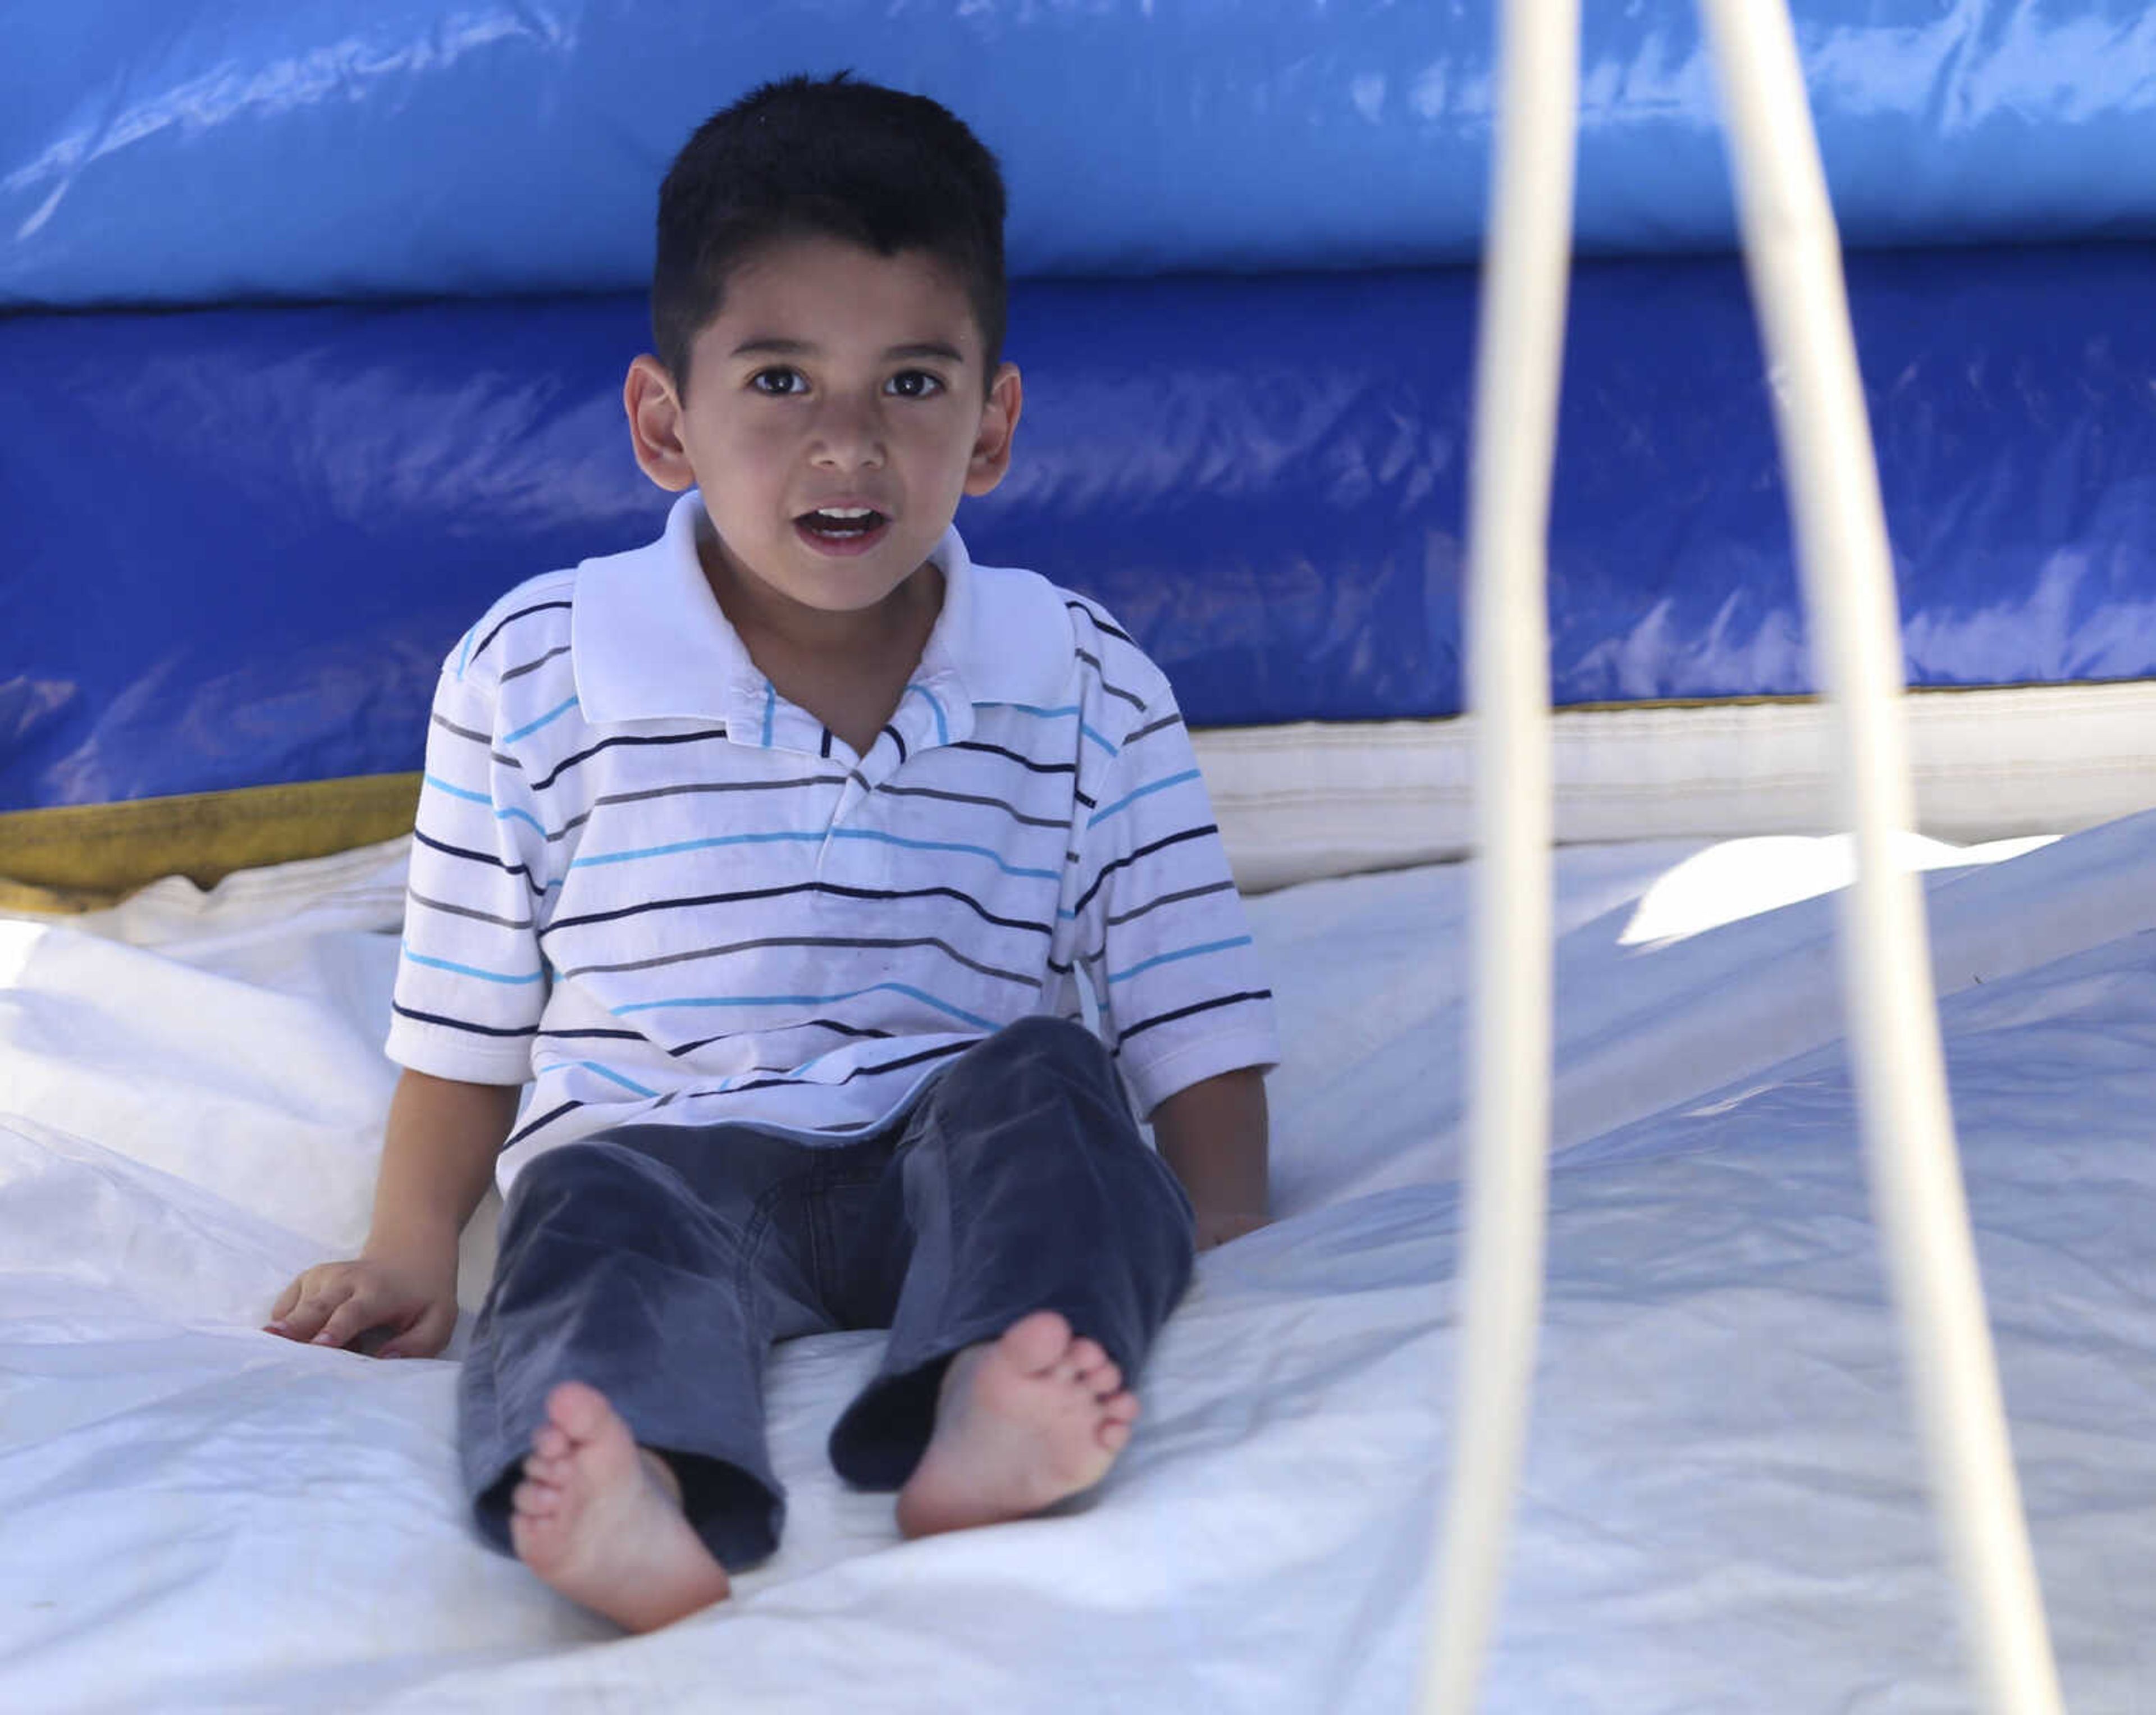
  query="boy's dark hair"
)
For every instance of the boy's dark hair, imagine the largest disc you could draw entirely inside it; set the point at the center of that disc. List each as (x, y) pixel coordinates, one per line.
(832, 158)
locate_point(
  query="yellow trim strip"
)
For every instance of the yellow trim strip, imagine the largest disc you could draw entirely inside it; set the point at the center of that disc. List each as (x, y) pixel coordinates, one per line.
(82, 857)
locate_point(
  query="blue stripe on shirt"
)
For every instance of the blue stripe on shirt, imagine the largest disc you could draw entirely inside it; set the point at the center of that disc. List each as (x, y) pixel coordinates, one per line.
(942, 731)
(443, 786)
(942, 846)
(1041, 714)
(623, 857)
(606, 1072)
(469, 796)
(443, 964)
(551, 714)
(1128, 798)
(650, 851)
(1169, 958)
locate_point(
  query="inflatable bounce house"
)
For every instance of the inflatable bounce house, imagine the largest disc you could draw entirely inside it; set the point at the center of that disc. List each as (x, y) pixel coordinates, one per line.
(313, 324)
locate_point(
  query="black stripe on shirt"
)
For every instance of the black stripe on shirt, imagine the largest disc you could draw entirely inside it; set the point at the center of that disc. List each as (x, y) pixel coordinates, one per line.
(1023, 762)
(687, 790)
(798, 1082)
(585, 756)
(435, 1017)
(994, 803)
(899, 742)
(559, 650)
(842, 941)
(1100, 673)
(450, 725)
(972, 904)
(1152, 905)
(1101, 620)
(1110, 869)
(521, 613)
(1161, 724)
(464, 911)
(546, 1118)
(805, 1025)
(581, 1035)
(480, 857)
(1184, 1012)
(493, 755)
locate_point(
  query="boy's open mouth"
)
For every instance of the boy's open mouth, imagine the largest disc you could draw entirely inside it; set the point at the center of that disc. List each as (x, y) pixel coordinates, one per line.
(843, 522)
(842, 529)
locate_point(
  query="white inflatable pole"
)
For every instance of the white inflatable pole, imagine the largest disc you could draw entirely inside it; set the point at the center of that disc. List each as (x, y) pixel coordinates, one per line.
(1794, 258)
(1519, 348)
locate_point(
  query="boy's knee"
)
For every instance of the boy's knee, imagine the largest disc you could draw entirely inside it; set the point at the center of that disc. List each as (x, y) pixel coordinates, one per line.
(586, 1183)
(1062, 1041)
(1027, 1062)
(567, 1166)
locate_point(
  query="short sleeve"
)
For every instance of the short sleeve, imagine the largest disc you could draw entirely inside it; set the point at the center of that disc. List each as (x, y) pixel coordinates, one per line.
(1160, 927)
(471, 982)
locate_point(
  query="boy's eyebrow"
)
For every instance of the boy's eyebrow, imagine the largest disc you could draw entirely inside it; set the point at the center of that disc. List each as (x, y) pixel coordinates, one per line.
(773, 347)
(932, 348)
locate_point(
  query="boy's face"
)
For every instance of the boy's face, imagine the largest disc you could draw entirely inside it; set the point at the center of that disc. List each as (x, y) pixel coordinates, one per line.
(832, 380)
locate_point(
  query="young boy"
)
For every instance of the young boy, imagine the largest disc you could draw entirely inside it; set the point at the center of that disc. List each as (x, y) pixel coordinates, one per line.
(773, 854)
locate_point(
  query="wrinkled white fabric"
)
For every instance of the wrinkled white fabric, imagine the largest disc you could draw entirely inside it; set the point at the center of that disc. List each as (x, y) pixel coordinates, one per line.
(1723, 1504)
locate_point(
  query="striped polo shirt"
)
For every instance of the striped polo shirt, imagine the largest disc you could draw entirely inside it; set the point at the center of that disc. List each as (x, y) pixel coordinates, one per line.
(645, 882)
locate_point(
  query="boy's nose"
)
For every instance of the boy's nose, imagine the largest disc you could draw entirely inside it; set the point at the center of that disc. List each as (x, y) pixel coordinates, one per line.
(848, 437)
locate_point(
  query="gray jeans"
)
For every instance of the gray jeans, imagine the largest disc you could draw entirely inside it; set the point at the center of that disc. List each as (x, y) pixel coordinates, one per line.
(659, 1263)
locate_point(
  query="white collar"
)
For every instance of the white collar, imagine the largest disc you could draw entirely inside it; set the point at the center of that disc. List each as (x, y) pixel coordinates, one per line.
(649, 642)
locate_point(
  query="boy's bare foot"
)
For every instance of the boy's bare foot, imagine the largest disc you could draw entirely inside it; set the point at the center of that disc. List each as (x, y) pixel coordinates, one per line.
(599, 1518)
(1021, 1422)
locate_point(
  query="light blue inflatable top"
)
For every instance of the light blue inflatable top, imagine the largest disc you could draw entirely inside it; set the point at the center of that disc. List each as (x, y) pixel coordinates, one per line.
(186, 151)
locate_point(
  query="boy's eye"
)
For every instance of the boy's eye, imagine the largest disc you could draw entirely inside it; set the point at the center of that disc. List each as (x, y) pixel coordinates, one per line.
(915, 384)
(779, 384)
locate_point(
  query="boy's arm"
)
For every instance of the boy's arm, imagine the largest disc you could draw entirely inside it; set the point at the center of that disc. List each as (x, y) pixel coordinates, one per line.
(1213, 1134)
(438, 1158)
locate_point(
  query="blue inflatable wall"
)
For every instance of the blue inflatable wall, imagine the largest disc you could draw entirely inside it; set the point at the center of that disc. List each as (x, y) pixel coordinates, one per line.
(204, 151)
(247, 538)
(237, 537)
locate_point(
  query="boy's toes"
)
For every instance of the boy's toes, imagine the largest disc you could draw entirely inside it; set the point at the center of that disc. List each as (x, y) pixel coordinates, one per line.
(578, 1411)
(548, 1442)
(1037, 1342)
(535, 1499)
(546, 1470)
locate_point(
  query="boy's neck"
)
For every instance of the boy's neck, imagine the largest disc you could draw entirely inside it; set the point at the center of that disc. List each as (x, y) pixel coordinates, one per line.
(849, 669)
(863, 636)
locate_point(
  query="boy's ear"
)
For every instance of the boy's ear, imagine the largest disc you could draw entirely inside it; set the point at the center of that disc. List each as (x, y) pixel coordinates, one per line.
(992, 445)
(654, 424)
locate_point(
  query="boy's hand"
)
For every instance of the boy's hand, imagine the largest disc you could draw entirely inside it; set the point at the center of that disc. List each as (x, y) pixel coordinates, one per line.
(414, 1303)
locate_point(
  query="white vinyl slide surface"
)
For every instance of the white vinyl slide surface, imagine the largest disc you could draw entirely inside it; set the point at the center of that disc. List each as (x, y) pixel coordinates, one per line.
(1722, 1505)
